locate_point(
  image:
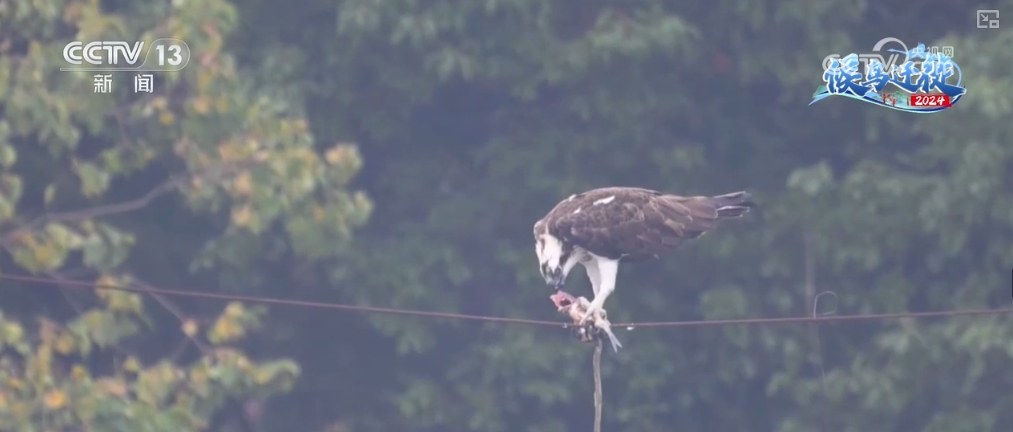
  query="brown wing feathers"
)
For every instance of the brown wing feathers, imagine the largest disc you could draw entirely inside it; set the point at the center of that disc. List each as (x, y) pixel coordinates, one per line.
(686, 217)
(639, 223)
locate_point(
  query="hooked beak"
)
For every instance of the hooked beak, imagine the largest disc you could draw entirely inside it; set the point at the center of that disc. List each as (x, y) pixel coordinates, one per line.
(555, 281)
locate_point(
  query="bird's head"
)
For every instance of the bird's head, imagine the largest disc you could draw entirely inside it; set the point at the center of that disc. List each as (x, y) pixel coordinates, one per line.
(555, 259)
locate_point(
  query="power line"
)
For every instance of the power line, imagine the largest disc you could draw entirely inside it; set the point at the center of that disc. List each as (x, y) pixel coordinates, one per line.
(83, 285)
(810, 319)
(266, 300)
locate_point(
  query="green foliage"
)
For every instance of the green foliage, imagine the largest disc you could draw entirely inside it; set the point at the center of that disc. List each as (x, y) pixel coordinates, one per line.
(48, 384)
(74, 164)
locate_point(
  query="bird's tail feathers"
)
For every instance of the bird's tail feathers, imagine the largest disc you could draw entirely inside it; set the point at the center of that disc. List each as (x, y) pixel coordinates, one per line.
(733, 205)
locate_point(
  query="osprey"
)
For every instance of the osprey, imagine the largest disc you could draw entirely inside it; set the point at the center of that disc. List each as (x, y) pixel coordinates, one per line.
(602, 227)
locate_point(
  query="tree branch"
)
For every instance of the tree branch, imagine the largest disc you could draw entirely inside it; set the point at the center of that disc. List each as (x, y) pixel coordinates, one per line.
(123, 207)
(61, 281)
(175, 311)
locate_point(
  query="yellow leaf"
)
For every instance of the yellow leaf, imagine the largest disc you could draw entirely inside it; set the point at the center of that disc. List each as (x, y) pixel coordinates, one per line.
(65, 344)
(242, 216)
(12, 332)
(16, 384)
(6, 209)
(221, 104)
(234, 309)
(102, 286)
(224, 330)
(111, 386)
(262, 377)
(124, 302)
(45, 253)
(55, 399)
(243, 184)
(190, 327)
(105, 281)
(160, 103)
(62, 235)
(119, 389)
(94, 180)
(166, 118)
(199, 375)
(334, 155)
(229, 151)
(343, 153)
(308, 156)
(131, 365)
(78, 372)
(93, 320)
(201, 104)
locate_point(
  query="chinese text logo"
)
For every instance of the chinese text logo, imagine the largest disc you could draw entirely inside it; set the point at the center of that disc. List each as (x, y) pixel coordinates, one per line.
(925, 81)
(143, 83)
(163, 55)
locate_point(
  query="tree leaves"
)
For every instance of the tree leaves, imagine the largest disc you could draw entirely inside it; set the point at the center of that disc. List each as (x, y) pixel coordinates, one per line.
(233, 324)
(137, 394)
(94, 181)
(205, 132)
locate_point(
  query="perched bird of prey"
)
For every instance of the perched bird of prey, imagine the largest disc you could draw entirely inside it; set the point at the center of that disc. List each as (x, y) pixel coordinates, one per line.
(602, 227)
